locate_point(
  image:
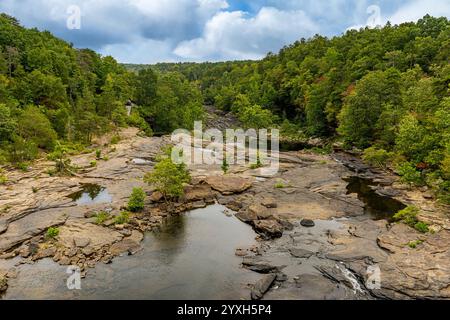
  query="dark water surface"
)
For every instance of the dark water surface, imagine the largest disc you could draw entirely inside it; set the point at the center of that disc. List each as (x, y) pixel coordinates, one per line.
(191, 258)
(91, 194)
(377, 206)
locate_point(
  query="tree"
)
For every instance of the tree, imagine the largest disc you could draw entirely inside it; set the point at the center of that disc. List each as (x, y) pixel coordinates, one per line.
(146, 87)
(34, 126)
(168, 178)
(8, 124)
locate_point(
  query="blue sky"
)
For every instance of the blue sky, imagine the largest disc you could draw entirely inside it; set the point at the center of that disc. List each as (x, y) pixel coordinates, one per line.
(149, 31)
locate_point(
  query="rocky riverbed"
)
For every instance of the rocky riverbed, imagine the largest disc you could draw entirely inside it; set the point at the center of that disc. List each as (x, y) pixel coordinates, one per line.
(317, 239)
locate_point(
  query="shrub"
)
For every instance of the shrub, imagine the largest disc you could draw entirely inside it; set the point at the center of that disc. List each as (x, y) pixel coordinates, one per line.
(409, 217)
(136, 201)
(421, 227)
(93, 163)
(98, 154)
(377, 157)
(409, 174)
(225, 165)
(122, 218)
(101, 217)
(168, 178)
(279, 185)
(52, 233)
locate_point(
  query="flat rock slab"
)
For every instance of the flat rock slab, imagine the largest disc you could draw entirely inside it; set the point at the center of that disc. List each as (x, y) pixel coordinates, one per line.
(29, 226)
(261, 287)
(98, 236)
(228, 184)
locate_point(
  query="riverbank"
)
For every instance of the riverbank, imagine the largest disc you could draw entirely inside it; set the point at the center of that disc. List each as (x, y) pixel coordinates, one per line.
(326, 261)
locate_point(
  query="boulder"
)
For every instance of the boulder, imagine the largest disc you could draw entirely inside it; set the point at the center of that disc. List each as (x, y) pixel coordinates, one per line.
(98, 236)
(81, 242)
(269, 228)
(228, 184)
(307, 223)
(246, 216)
(258, 265)
(125, 246)
(300, 253)
(262, 286)
(45, 253)
(269, 203)
(156, 196)
(259, 211)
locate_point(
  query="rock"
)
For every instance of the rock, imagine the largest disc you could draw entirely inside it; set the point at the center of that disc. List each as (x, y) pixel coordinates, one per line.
(258, 265)
(81, 242)
(71, 252)
(136, 236)
(107, 259)
(262, 286)
(269, 228)
(156, 196)
(46, 253)
(24, 251)
(197, 192)
(307, 223)
(90, 214)
(300, 253)
(259, 211)
(198, 204)
(228, 184)
(234, 205)
(246, 216)
(241, 252)
(3, 283)
(98, 236)
(126, 245)
(269, 203)
(88, 251)
(64, 261)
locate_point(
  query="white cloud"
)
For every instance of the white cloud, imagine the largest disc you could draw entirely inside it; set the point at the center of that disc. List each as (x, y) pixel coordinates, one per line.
(235, 35)
(415, 10)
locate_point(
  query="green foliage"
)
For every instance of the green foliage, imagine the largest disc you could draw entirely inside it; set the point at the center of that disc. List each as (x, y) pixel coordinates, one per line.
(115, 139)
(168, 178)
(413, 244)
(3, 178)
(409, 174)
(409, 217)
(101, 217)
(122, 218)
(136, 201)
(256, 117)
(98, 154)
(225, 165)
(377, 157)
(62, 163)
(279, 185)
(93, 163)
(51, 233)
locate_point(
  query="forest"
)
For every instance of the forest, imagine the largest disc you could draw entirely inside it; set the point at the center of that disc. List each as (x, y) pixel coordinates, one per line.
(52, 94)
(382, 91)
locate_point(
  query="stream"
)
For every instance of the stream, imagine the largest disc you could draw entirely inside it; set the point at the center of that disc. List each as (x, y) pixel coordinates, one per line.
(191, 257)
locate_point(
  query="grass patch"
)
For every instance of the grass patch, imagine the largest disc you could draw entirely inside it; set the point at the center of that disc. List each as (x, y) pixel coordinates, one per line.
(122, 218)
(413, 244)
(101, 217)
(409, 217)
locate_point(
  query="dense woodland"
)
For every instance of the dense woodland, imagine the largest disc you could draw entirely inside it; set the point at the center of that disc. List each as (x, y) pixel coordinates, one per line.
(384, 91)
(52, 94)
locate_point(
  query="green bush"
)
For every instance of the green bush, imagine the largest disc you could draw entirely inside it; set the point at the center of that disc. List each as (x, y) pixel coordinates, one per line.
(93, 163)
(377, 157)
(52, 233)
(279, 185)
(122, 218)
(168, 178)
(101, 217)
(225, 165)
(136, 201)
(409, 217)
(421, 227)
(409, 174)
(98, 154)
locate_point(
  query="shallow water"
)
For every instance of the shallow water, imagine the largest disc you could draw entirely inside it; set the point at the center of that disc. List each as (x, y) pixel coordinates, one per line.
(377, 206)
(191, 258)
(91, 194)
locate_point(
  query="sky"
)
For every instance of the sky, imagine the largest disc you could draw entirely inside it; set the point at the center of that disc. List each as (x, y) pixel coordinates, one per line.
(150, 31)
